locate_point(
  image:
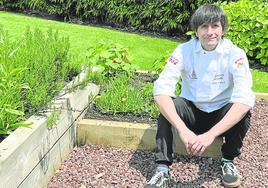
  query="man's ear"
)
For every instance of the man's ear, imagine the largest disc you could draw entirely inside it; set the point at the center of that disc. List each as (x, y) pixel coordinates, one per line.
(222, 34)
(196, 35)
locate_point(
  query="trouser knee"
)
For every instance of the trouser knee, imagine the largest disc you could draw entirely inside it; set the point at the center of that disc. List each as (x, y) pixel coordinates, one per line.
(234, 138)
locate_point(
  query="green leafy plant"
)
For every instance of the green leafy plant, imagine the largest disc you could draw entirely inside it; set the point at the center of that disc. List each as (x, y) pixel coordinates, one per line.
(53, 117)
(11, 105)
(160, 63)
(110, 59)
(149, 104)
(32, 70)
(249, 27)
(47, 67)
(123, 96)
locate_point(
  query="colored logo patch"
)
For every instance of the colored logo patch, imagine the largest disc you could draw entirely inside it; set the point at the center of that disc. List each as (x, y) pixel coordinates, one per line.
(173, 60)
(239, 62)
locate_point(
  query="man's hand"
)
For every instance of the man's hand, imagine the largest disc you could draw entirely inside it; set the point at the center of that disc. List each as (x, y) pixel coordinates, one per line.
(188, 138)
(201, 143)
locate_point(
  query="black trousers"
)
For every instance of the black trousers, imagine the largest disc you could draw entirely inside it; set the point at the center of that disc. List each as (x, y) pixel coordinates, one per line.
(199, 122)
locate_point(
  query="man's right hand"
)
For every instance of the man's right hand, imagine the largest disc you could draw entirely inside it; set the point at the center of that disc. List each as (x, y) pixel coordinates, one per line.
(189, 138)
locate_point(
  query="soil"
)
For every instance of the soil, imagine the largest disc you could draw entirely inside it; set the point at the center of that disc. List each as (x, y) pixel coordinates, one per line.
(95, 166)
(95, 113)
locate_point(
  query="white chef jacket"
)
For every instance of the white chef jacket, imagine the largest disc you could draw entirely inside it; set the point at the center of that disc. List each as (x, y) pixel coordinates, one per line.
(210, 79)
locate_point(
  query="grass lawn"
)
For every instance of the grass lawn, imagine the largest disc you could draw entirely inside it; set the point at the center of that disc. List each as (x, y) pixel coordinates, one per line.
(143, 50)
(260, 81)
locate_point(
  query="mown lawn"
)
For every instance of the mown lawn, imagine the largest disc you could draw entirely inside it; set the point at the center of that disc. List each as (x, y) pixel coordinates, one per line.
(143, 50)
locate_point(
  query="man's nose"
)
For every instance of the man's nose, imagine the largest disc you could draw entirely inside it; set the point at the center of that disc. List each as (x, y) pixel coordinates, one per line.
(209, 30)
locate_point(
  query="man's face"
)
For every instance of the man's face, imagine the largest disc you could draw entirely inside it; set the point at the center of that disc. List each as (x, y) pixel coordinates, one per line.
(209, 35)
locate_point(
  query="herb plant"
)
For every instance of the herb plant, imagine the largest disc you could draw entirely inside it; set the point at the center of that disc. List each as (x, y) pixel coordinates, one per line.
(123, 96)
(32, 70)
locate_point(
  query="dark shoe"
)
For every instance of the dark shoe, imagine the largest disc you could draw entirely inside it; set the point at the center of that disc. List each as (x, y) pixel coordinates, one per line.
(230, 175)
(159, 179)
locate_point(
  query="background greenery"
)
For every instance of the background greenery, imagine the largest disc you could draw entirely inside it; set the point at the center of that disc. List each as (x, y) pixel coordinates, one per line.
(157, 16)
(148, 15)
(248, 27)
(142, 50)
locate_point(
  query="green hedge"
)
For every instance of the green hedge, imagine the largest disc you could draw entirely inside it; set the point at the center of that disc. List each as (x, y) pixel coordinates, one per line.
(248, 27)
(167, 17)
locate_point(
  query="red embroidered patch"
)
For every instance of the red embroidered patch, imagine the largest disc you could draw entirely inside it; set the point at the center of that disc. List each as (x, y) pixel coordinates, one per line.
(239, 62)
(173, 60)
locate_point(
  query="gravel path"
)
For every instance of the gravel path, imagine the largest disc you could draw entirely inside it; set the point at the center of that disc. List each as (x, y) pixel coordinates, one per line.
(99, 167)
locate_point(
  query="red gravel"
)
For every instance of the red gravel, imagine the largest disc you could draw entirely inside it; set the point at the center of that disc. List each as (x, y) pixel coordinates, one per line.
(96, 166)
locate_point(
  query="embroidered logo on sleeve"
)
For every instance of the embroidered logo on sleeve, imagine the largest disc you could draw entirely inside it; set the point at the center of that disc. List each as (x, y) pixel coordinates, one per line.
(240, 62)
(173, 60)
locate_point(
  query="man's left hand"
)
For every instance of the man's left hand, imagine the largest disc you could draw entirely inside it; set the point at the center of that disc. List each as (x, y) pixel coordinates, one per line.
(203, 141)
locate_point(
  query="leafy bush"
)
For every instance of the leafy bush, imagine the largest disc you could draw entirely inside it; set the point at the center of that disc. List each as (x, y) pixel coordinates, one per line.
(248, 27)
(32, 70)
(160, 63)
(45, 57)
(109, 59)
(11, 105)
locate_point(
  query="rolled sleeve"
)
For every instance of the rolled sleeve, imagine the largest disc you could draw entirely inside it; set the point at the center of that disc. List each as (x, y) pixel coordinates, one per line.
(242, 80)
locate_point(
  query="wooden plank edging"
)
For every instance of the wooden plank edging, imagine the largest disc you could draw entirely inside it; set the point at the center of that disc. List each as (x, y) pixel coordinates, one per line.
(30, 156)
(130, 136)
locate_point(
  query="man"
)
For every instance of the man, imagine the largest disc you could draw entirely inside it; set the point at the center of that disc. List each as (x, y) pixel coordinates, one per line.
(215, 99)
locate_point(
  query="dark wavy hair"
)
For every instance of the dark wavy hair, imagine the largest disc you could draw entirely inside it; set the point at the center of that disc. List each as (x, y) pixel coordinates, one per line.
(208, 13)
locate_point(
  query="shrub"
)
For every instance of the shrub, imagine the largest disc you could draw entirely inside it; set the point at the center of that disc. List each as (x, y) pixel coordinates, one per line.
(166, 17)
(45, 58)
(11, 104)
(32, 70)
(109, 59)
(248, 27)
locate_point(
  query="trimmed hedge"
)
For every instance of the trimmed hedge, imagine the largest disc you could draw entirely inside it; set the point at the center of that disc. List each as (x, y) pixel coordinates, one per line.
(170, 17)
(248, 27)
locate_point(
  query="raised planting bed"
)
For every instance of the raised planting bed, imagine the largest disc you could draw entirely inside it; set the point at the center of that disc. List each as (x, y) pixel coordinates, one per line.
(30, 156)
(112, 127)
(99, 166)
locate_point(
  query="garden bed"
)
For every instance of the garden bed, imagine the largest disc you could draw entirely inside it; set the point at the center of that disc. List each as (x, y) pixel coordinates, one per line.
(30, 155)
(102, 166)
(98, 166)
(35, 165)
